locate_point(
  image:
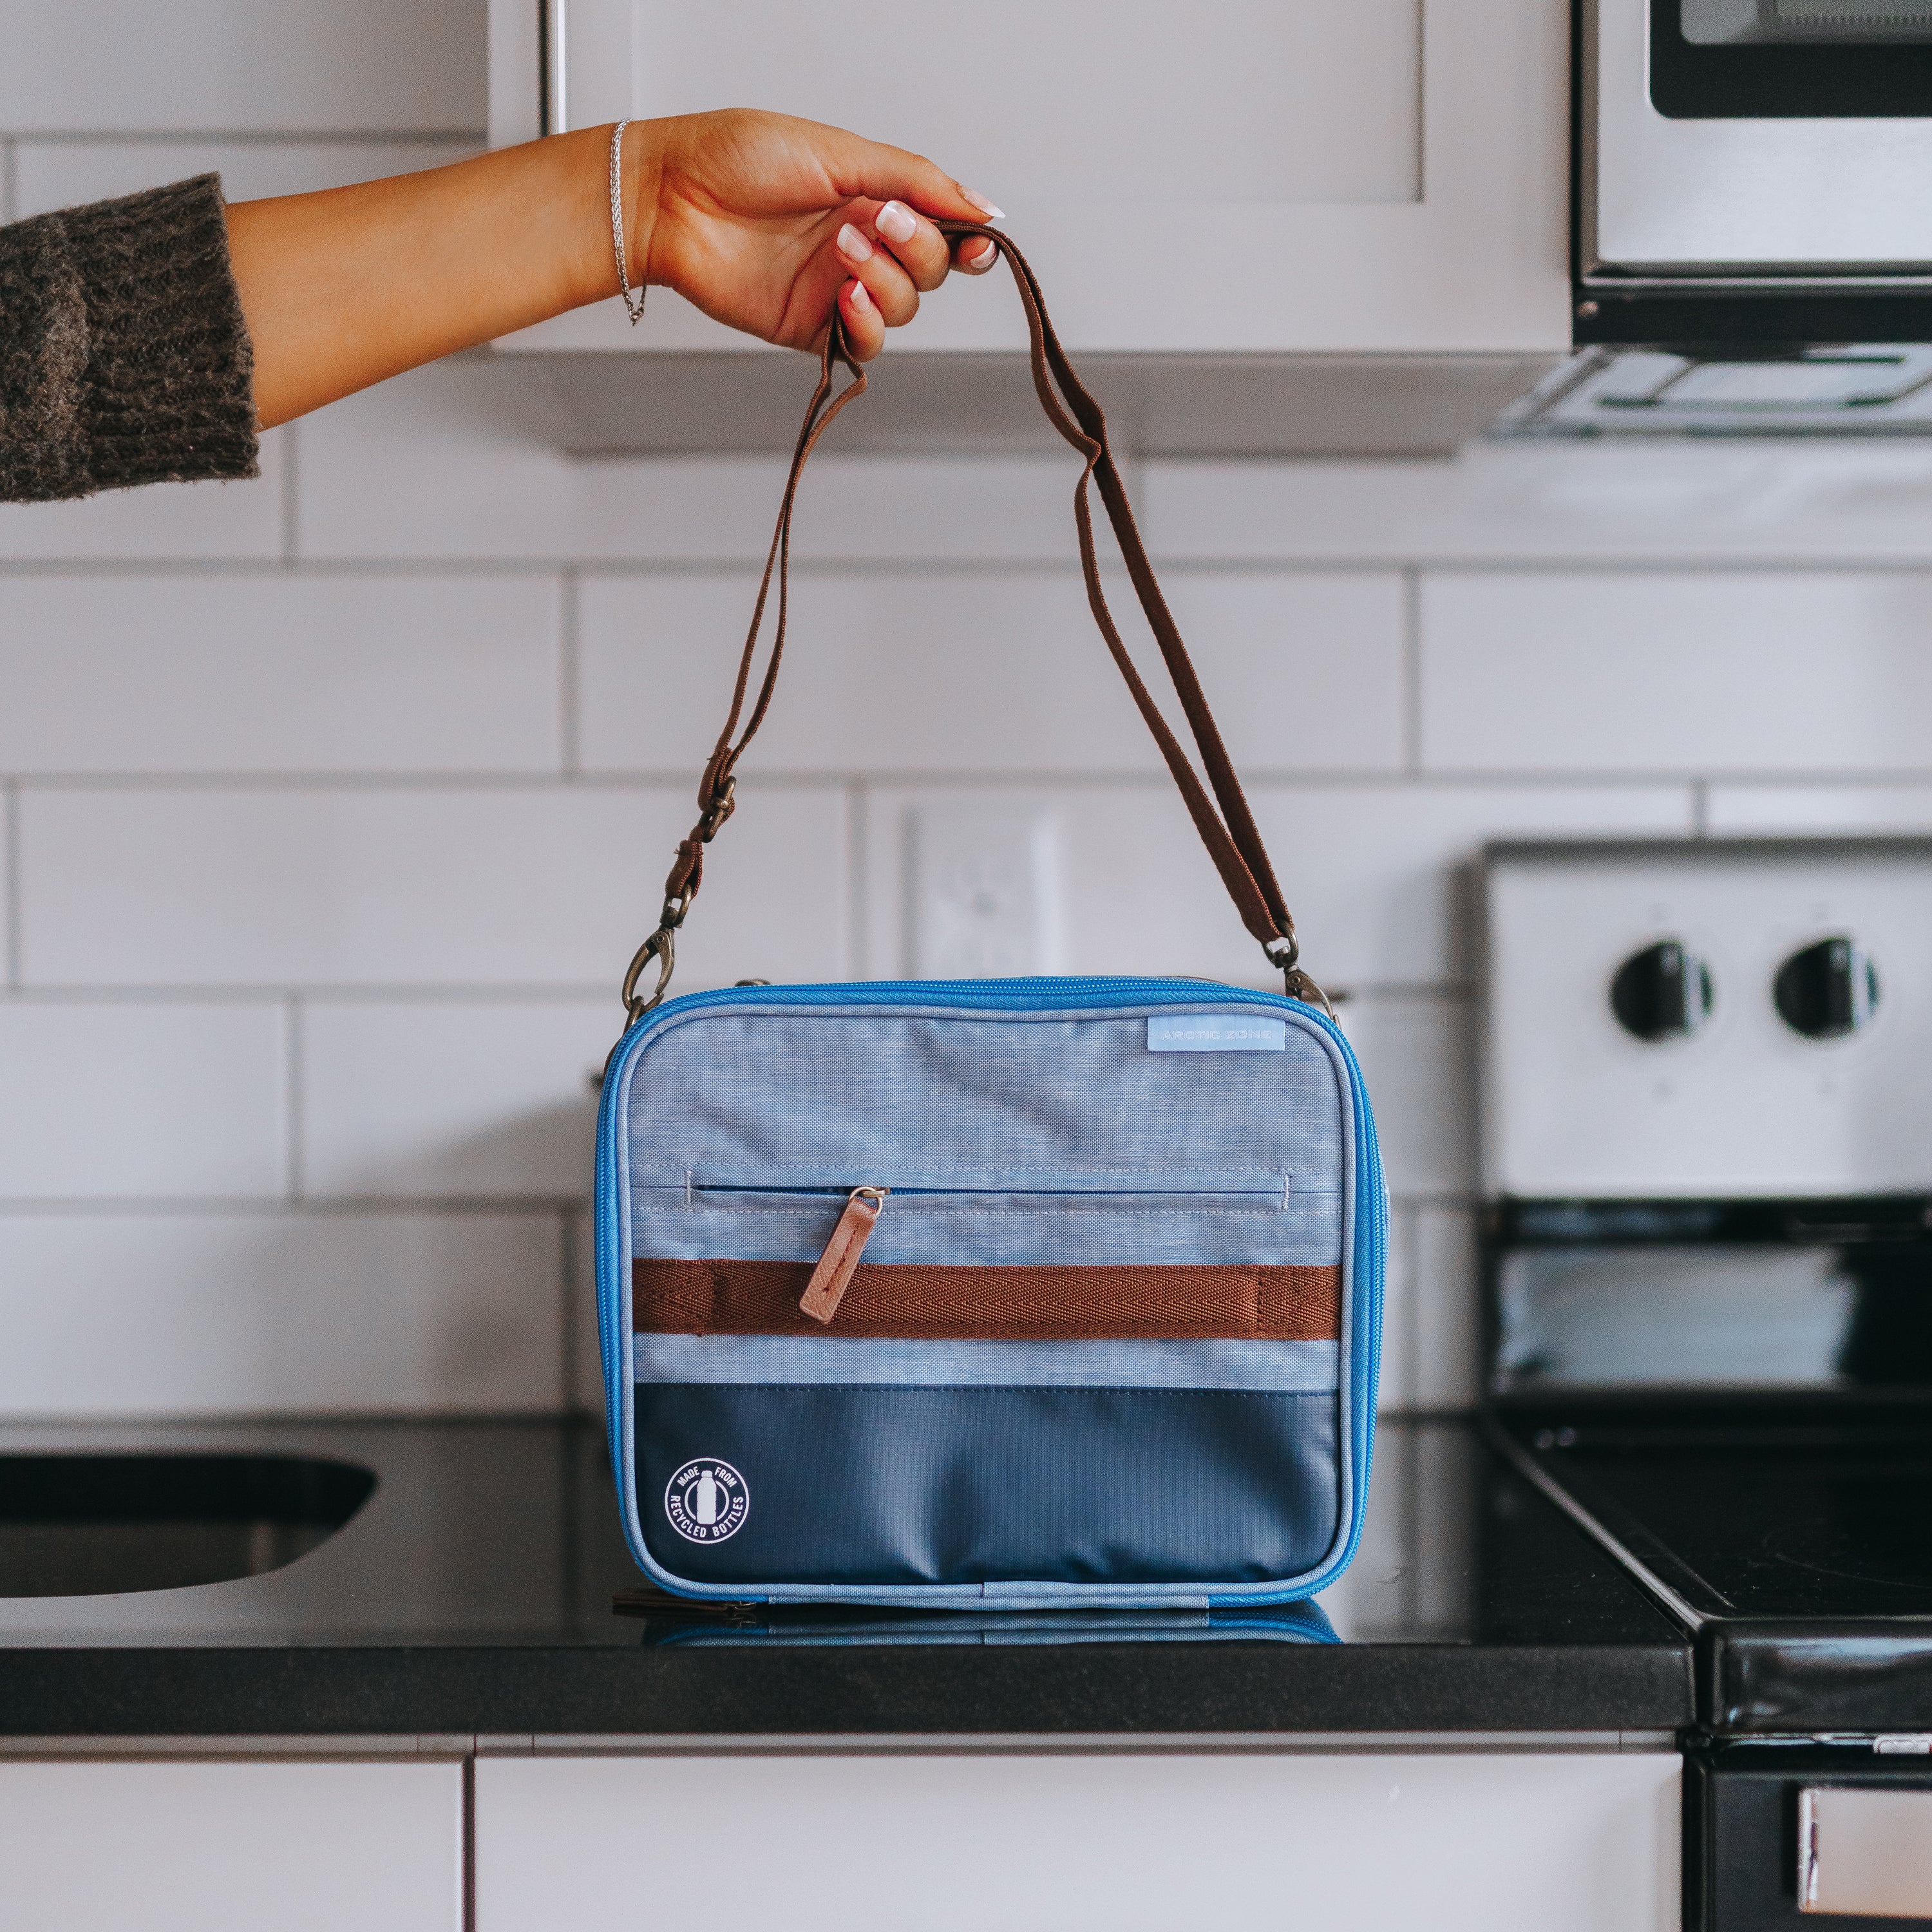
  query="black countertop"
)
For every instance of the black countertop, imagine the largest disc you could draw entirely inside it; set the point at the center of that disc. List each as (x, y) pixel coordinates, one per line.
(472, 1592)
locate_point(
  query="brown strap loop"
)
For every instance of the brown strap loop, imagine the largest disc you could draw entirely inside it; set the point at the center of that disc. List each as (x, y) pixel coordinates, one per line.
(1223, 820)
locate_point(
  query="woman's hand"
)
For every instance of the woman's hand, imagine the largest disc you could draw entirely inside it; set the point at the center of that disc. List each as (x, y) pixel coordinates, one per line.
(763, 221)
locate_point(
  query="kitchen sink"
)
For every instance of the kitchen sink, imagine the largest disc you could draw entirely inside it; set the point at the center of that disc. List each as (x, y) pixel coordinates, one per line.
(97, 1525)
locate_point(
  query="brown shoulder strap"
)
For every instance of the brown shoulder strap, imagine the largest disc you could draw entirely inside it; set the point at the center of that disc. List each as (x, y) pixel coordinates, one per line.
(1223, 819)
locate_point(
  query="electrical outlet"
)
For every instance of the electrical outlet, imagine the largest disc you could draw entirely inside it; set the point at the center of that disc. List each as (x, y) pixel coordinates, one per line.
(985, 897)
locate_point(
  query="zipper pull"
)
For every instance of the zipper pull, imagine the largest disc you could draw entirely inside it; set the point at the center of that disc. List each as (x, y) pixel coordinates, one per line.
(830, 1279)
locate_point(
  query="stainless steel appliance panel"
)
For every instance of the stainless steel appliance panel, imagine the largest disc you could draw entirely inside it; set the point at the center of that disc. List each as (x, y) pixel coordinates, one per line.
(1675, 196)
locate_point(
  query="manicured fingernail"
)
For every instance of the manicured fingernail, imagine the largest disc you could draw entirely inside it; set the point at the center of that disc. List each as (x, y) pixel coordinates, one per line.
(861, 303)
(853, 245)
(978, 265)
(894, 223)
(980, 202)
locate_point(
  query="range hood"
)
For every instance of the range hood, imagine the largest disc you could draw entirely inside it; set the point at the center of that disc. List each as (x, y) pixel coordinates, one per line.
(1753, 239)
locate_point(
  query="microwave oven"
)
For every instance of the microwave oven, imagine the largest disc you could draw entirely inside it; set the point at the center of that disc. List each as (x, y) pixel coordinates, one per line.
(1752, 241)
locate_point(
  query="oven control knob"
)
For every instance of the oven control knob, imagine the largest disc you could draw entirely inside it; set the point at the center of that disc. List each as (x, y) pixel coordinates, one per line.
(1827, 990)
(1663, 992)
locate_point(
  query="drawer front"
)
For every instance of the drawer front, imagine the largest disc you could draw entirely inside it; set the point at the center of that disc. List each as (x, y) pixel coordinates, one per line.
(1488, 1842)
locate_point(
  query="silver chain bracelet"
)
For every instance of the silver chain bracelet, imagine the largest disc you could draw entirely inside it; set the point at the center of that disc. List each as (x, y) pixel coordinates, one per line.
(634, 309)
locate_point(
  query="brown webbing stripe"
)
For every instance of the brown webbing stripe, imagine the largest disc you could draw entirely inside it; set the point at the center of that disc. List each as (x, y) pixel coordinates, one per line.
(917, 1303)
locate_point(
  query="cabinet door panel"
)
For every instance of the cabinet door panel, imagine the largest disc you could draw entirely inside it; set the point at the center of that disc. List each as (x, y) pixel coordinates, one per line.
(1239, 175)
(231, 1847)
(1087, 100)
(1127, 1844)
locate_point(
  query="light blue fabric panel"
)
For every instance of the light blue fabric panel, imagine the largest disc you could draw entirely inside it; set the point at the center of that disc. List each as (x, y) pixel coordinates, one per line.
(1286, 1368)
(994, 1230)
(756, 1090)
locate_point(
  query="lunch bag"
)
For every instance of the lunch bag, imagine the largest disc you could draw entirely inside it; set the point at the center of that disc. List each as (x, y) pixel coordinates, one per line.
(1016, 1294)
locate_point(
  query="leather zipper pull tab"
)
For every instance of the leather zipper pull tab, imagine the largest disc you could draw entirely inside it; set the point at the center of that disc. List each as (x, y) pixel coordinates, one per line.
(830, 1279)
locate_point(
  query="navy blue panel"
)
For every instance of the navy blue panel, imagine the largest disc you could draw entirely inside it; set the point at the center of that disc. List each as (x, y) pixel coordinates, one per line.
(863, 1484)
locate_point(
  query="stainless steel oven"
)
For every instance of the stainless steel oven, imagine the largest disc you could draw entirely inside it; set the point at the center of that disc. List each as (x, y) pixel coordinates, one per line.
(1707, 1146)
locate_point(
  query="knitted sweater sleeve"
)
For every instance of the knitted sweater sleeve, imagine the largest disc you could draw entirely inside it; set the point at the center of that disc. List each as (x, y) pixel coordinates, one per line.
(124, 358)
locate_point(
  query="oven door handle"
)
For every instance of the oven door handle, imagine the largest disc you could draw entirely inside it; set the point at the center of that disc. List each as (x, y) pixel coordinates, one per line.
(1862, 1850)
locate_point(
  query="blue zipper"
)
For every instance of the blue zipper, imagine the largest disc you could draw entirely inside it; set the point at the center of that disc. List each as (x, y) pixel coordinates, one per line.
(1029, 995)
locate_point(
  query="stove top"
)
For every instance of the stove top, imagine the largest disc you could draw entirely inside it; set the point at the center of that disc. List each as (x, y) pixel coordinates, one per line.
(1792, 1542)
(1784, 1516)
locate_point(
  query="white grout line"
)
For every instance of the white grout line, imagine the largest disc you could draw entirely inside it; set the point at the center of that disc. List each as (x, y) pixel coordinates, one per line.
(1411, 672)
(641, 783)
(247, 137)
(569, 696)
(290, 505)
(273, 1206)
(294, 1041)
(745, 568)
(10, 882)
(471, 993)
(1390, 782)
(858, 887)
(570, 1315)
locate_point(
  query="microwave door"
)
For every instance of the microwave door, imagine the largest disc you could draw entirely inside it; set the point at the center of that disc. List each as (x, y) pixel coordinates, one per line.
(1757, 138)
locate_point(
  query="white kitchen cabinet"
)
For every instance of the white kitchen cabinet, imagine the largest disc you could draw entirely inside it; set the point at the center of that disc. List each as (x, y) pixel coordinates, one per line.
(187, 1846)
(1234, 180)
(1377, 1842)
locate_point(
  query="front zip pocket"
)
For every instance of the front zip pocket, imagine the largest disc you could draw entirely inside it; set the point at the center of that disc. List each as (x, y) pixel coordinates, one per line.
(1040, 1255)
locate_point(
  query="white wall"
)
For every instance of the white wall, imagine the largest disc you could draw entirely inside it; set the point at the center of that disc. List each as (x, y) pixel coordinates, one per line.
(333, 803)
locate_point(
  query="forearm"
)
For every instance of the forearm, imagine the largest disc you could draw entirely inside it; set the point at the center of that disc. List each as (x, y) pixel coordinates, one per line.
(342, 289)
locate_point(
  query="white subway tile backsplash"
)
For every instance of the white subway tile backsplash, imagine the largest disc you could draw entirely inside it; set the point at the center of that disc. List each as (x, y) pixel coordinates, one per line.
(1371, 872)
(324, 874)
(239, 66)
(64, 174)
(1417, 1055)
(442, 463)
(9, 821)
(1678, 671)
(939, 672)
(1817, 811)
(1396, 1390)
(135, 1314)
(884, 510)
(278, 673)
(240, 521)
(138, 1100)
(1763, 503)
(545, 886)
(481, 1100)
(1448, 1328)
(584, 1350)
